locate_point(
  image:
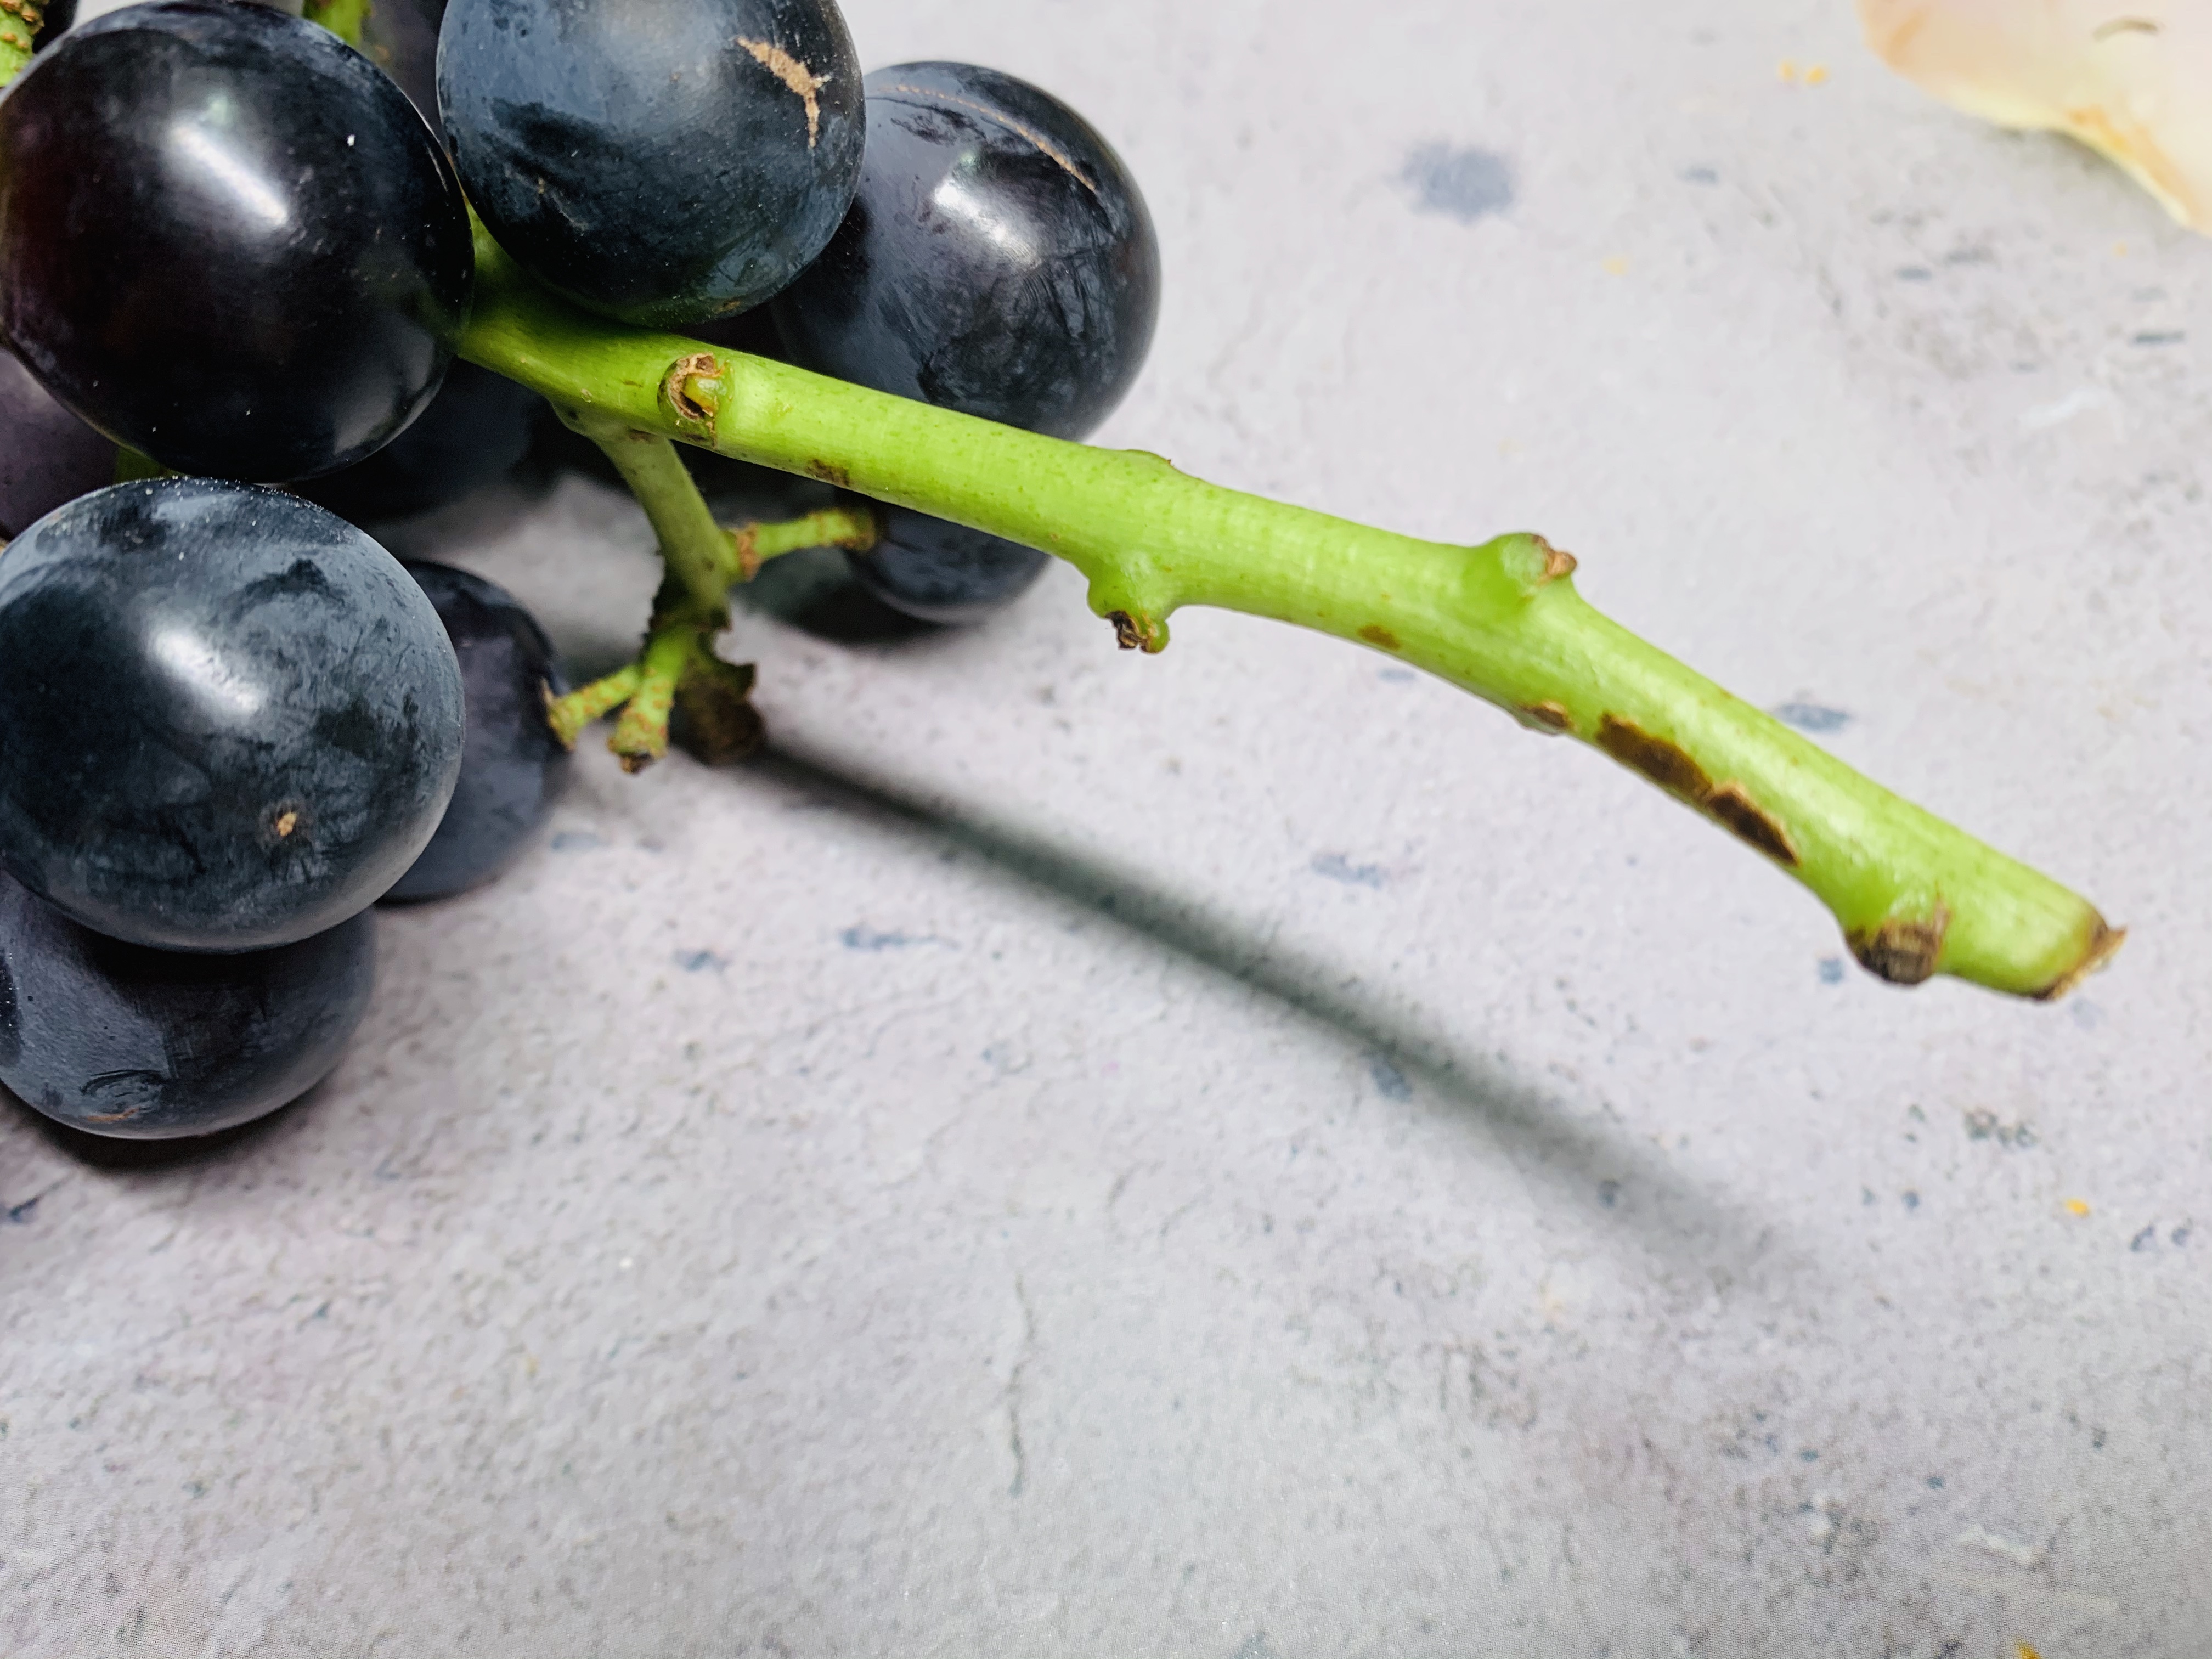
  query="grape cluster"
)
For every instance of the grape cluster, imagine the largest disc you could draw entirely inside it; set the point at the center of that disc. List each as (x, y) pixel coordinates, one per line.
(236, 256)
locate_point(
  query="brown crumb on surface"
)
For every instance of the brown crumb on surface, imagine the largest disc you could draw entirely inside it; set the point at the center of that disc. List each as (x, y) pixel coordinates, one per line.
(1376, 633)
(795, 75)
(1903, 949)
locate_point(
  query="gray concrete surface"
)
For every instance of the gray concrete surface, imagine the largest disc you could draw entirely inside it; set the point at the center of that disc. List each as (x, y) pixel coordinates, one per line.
(1249, 1154)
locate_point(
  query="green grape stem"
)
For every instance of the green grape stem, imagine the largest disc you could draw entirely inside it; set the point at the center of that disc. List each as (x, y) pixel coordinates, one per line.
(20, 23)
(1915, 896)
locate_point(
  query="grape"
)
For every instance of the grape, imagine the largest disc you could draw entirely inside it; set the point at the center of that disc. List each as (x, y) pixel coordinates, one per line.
(659, 162)
(999, 260)
(232, 719)
(476, 430)
(227, 240)
(119, 1040)
(513, 767)
(47, 456)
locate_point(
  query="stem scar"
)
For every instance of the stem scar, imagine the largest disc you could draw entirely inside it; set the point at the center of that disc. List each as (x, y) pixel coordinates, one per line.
(1552, 716)
(1131, 633)
(689, 400)
(1903, 949)
(796, 75)
(1558, 562)
(829, 473)
(2104, 943)
(1729, 805)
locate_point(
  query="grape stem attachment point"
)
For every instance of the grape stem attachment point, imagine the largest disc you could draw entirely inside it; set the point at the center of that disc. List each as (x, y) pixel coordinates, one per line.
(1915, 896)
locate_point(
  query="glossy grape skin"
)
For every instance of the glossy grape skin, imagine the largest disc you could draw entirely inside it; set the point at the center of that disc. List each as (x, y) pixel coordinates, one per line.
(476, 430)
(118, 1040)
(232, 719)
(227, 240)
(512, 768)
(47, 456)
(661, 162)
(998, 259)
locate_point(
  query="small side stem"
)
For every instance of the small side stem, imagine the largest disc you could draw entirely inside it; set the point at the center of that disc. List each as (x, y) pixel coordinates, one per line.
(855, 528)
(569, 715)
(19, 24)
(640, 736)
(698, 552)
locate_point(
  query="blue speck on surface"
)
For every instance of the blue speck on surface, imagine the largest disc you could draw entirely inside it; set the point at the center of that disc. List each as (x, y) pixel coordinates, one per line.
(1832, 970)
(1397, 676)
(1912, 1201)
(1698, 176)
(20, 1214)
(1389, 1081)
(1814, 717)
(576, 840)
(1935, 1483)
(867, 938)
(1608, 1193)
(2086, 1014)
(1337, 867)
(2180, 1234)
(698, 962)
(1462, 183)
(1913, 273)
(2145, 1239)
(1808, 1455)
(2158, 337)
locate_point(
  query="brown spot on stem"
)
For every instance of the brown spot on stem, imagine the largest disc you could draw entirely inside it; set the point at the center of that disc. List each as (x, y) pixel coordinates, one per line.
(1729, 805)
(690, 401)
(2103, 944)
(795, 75)
(1558, 562)
(830, 473)
(1045, 146)
(1126, 633)
(1903, 949)
(1550, 715)
(1662, 762)
(1376, 633)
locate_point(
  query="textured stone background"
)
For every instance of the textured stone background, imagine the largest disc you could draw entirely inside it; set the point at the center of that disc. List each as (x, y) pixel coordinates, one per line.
(1249, 1154)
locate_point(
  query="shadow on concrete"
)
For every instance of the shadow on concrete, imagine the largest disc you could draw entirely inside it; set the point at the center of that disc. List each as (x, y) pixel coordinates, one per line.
(1589, 1164)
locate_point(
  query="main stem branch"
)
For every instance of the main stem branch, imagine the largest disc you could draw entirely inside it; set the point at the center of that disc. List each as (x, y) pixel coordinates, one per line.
(1915, 896)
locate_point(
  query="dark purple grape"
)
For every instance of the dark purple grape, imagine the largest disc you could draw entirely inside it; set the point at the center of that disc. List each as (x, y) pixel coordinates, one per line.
(998, 259)
(659, 162)
(512, 768)
(227, 240)
(47, 456)
(476, 430)
(232, 719)
(118, 1040)
(936, 571)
